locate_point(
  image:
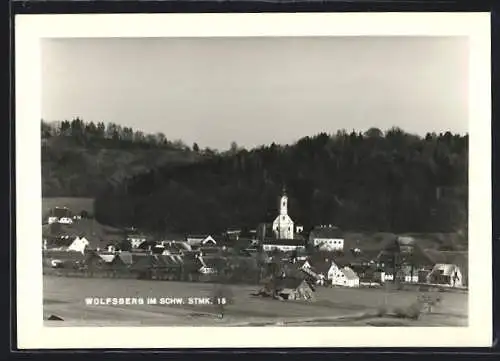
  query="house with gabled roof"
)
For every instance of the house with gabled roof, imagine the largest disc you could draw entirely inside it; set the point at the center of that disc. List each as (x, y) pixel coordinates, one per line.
(291, 288)
(117, 264)
(458, 258)
(446, 274)
(342, 276)
(327, 237)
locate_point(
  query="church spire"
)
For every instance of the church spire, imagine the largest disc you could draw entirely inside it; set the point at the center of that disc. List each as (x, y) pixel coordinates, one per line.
(284, 203)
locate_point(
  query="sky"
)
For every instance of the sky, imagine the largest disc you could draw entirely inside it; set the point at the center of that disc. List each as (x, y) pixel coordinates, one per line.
(256, 91)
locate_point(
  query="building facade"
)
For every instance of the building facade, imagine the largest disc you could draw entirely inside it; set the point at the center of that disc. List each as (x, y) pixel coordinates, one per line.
(283, 226)
(328, 238)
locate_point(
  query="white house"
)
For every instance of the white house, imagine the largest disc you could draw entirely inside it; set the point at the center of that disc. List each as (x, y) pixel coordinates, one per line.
(342, 276)
(328, 238)
(79, 245)
(283, 225)
(446, 274)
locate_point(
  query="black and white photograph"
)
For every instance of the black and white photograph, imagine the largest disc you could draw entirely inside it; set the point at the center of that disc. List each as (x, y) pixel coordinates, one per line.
(198, 181)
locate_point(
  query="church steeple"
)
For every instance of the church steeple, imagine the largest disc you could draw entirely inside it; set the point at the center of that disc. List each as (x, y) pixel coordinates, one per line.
(284, 203)
(283, 224)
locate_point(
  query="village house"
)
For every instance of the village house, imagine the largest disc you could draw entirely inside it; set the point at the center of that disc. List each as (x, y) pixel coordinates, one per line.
(79, 244)
(318, 272)
(446, 274)
(457, 258)
(196, 241)
(326, 270)
(327, 238)
(294, 289)
(342, 276)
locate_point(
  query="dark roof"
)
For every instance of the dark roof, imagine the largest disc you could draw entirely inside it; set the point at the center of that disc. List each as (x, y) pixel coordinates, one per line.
(412, 252)
(320, 262)
(126, 257)
(284, 242)
(117, 262)
(170, 261)
(326, 233)
(341, 259)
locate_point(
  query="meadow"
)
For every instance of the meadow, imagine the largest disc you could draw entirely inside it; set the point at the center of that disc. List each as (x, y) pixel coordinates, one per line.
(65, 297)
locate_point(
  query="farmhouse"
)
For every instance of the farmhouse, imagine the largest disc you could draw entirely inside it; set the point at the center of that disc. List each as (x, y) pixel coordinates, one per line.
(446, 274)
(295, 289)
(317, 269)
(458, 258)
(328, 238)
(289, 288)
(342, 276)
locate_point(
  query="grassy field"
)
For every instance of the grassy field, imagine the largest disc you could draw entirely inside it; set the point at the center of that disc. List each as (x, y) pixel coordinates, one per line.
(74, 204)
(65, 297)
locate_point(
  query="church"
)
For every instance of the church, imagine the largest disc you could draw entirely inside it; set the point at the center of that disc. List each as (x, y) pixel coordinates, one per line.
(283, 224)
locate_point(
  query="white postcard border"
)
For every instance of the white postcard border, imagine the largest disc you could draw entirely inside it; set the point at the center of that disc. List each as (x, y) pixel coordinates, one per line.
(29, 29)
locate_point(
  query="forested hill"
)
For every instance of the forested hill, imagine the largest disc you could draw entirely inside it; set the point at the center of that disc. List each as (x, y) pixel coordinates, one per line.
(82, 159)
(392, 182)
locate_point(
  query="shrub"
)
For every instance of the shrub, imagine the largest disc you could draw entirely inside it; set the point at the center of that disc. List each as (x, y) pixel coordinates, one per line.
(381, 311)
(412, 312)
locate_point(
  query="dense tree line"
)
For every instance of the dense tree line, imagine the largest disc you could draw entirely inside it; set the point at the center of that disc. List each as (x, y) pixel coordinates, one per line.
(108, 135)
(79, 159)
(374, 181)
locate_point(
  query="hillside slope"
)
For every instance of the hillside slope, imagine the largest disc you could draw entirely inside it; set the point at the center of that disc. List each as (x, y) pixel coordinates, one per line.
(394, 182)
(76, 169)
